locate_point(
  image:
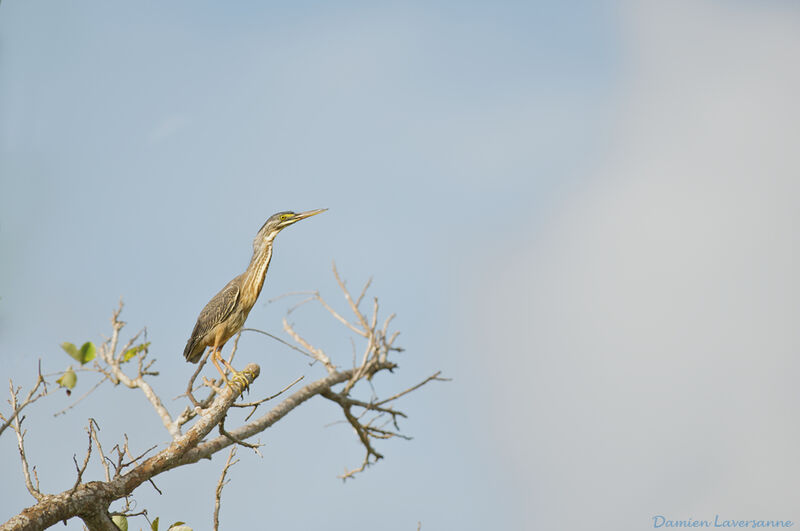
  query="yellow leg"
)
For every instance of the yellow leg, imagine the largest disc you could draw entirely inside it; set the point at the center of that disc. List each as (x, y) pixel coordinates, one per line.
(227, 365)
(237, 377)
(216, 358)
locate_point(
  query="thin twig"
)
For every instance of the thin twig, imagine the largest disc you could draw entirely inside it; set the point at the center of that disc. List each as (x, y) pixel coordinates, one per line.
(363, 291)
(223, 432)
(78, 401)
(93, 434)
(82, 469)
(34, 490)
(257, 403)
(153, 484)
(353, 305)
(338, 317)
(276, 338)
(289, 294)
(29, 399)
(221, 483)
(433, 377)
(301, 303)
(318, 354)
(134, 460)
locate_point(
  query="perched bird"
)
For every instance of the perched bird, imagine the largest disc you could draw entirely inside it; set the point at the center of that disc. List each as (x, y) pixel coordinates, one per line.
(226, 312)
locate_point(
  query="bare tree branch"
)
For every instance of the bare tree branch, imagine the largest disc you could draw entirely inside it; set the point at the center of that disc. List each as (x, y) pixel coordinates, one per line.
(81, 469)
(113, 360)
(276, 338)
(220, 484)
(372, 419)
(240, 442)
(353, 305)
(93, 435)
(434, 377)
(29, 399)
(316, 353)
(34, 490)
(257, 403)
(90, 500)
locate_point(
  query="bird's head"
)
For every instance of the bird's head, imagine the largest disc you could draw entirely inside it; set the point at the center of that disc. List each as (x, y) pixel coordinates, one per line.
(277, 222)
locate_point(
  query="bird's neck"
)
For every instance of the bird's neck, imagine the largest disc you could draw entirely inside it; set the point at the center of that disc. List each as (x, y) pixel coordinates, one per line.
(254, 276)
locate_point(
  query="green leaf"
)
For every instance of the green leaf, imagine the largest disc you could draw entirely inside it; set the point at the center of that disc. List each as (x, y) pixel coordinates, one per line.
(86, 353)
(68, 379)
(154, 525)
(70, 349)
(131, 352)
(120, 521)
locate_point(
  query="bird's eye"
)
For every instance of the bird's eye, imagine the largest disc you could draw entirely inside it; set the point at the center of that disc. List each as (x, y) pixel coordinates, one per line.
(284, 217)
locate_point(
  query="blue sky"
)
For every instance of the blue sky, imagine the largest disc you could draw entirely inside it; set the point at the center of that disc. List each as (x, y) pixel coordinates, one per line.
(581, 212)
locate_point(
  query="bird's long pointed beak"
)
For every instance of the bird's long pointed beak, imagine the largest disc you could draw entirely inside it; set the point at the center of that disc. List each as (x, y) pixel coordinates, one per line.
(304, 215)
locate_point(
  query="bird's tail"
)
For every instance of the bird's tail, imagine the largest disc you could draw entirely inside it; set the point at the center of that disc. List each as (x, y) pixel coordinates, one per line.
(193, 351)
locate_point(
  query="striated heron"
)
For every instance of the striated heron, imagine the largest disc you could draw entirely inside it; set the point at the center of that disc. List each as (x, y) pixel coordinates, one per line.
(226, 312)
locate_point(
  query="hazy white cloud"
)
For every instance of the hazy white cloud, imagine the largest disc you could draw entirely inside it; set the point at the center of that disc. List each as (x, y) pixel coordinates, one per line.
(647, 334)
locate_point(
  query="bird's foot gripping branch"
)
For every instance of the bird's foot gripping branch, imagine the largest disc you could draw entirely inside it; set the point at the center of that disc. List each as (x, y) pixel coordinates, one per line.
(240, 381)
(103, 503)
